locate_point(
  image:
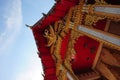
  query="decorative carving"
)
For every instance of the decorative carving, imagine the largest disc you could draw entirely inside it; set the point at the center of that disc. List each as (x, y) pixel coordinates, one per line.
(74, 14)
(98, 10)
(71, 51)
(75, 17)
(50, 36)
(68, 20)
(99, 2)
(91, 20)
(55, 34)
(54, 37)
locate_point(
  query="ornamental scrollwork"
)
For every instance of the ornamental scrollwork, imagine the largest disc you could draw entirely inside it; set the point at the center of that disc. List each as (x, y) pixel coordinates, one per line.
(54, 37)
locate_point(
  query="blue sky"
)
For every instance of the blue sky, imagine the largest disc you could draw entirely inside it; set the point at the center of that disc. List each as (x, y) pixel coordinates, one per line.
(18, 53)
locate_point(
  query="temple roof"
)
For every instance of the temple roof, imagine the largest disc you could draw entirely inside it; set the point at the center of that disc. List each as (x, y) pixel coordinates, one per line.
(58, 11)
(85, 46)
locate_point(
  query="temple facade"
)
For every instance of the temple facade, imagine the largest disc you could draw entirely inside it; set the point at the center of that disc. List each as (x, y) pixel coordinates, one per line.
(80, 40)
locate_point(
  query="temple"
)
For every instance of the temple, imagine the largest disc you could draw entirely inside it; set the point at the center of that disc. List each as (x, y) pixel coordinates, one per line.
(80, 40)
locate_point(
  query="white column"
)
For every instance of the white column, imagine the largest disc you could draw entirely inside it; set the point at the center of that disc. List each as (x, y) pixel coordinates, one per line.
(107, 9)
(100, 35)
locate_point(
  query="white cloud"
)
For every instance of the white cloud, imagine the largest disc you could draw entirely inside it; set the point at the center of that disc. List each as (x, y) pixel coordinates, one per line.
(14, 17)
(33, 71)
(13, 22)
(30, 75)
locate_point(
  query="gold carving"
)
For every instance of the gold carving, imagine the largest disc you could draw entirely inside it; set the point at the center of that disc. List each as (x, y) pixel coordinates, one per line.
(71, 51)
(74, 19)
(55, 34)
(99, 2)
(50, 36)
(91, 20)
(54, 37)
(90, 9)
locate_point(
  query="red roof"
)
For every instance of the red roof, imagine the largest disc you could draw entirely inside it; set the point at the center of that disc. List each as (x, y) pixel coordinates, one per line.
(84, 57)
(57, 12)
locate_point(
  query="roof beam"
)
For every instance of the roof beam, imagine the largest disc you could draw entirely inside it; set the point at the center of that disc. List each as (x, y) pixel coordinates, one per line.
(101, 36)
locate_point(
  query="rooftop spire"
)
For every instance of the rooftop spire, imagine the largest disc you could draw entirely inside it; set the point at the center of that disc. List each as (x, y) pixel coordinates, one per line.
(28, 26)
(44, 14)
